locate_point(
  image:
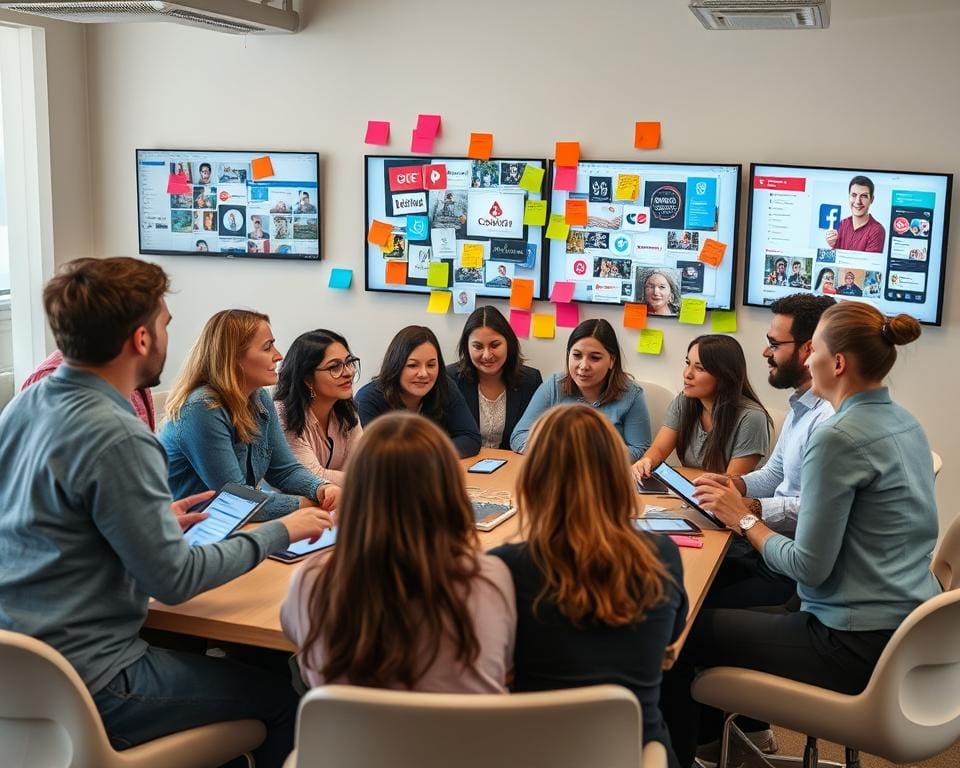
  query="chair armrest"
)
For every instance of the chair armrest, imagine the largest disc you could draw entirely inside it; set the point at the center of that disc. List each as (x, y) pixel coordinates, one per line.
(654, 755)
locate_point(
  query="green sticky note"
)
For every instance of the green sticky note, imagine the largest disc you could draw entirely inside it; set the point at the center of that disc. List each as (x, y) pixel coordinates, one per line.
(535, 213)
(693, 311)
(650, 342)
(532, 179)
(723, 321)
(558, 229)
(438, 276)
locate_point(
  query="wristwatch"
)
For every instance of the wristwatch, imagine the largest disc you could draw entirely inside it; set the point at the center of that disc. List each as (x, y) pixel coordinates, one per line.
(747, 522)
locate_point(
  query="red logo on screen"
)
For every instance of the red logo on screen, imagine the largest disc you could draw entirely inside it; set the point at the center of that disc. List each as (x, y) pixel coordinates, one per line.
(580, 267)
(900, 225)
(496, 210)
(406, 178)
(435, 176)
(781, 183)
(224, 196)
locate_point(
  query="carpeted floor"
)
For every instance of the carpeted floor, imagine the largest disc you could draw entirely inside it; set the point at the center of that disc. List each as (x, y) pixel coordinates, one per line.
(792, 744)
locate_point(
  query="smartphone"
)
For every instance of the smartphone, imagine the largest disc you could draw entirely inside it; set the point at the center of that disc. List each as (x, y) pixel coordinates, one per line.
(301, 549)
(487, 466)
(673, 525)
(230, 508)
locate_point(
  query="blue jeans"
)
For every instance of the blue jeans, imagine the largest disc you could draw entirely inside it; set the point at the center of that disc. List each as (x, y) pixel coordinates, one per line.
(165, 692)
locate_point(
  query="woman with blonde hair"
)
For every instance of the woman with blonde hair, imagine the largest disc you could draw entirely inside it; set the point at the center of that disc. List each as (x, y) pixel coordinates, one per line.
(405, 599)
(221, 424)
(597, 600)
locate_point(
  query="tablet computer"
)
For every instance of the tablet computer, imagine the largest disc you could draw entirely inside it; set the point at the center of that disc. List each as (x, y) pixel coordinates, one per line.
(486, 466)
(684, 489)
(488, 514)
(301, 549)
(670, 525)
(231, 508)
(652, 485)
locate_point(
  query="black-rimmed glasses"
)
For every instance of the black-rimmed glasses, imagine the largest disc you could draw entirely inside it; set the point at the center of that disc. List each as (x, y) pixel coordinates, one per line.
(337, 368)
(775, 345)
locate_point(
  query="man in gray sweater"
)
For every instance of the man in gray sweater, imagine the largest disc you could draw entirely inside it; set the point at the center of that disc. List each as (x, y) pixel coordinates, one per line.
(88, 530)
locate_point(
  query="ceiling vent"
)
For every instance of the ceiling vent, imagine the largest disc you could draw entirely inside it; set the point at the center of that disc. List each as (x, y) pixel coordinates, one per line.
(239, 17)
(762, 14)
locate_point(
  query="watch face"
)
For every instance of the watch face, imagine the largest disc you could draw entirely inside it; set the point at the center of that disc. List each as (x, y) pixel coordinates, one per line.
(747, 522)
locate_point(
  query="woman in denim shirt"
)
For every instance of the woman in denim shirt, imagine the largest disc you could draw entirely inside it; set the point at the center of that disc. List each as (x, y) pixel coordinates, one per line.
(222, 426)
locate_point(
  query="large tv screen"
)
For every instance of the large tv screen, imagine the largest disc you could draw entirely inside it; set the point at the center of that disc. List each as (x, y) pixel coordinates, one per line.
(646, 227)
(209, 202)
(470, 214)
(867, 235)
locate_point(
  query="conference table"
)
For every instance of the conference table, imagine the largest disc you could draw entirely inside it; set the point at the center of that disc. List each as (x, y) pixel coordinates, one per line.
(247, 609)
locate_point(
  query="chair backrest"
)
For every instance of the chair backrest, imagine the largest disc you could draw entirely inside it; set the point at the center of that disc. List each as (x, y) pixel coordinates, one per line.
(47, 716)
(354, 727)
(937, 463)
(658, 397)
(159, 403)
(946, 563)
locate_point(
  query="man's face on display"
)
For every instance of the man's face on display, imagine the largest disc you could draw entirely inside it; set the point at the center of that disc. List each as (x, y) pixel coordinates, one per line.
(860, 200)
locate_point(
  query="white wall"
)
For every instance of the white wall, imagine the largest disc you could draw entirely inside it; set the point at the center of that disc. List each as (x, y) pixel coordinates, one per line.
(872, 91)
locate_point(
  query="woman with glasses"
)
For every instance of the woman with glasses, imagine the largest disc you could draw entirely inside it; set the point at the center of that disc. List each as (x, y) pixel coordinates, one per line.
(314, 401)
(222, 426)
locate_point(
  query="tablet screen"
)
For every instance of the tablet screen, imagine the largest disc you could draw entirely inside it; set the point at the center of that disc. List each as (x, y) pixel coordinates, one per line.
(227, 512)
(666, 525)
(304, 547)
(681, 486)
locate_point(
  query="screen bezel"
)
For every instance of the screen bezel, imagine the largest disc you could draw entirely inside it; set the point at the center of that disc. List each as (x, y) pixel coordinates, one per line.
(680, 491)
(219, 254)
(865, 171)
(498, 462)
(690, 529)
(288, 556)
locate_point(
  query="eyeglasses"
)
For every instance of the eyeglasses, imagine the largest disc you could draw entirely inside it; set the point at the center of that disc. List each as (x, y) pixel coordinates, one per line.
(775, 345)
(337, 367)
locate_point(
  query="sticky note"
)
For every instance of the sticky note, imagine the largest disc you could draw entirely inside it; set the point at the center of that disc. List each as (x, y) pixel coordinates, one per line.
(261, 167)
(418, 227)
(178, 184)
(472, 255)
(628, 187)
(723, 321)
(341, 278)
(576, 213)
(646, 135)
(650, 342)
(428, 125)
(378, 132)
(544, 326)
(379, 233)
(568, 315)
(535, 213)
(481, 146)
(439, 303)
(532, 178)
(712, 252)
(567, 153)
(396, 273)
(558, 229)
(565, 179)
(438, 276)
(693, 311)
(520, 322)
(521, 293)
(422, 143)
(562, 292)
(634, 315)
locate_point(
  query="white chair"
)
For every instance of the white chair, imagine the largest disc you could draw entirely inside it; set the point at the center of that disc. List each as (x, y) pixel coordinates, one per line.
(159, 403)
(937, 463)
(909, 711)
(48, 718)
(658, 397)
(353, 727)
(946, 563)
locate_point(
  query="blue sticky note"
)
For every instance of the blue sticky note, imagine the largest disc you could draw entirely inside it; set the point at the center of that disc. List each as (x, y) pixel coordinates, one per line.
(701, 211)
(418, 227)
(341, 278)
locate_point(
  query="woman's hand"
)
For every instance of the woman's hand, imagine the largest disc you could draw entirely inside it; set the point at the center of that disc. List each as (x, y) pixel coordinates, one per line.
(307, 523)
(642, 468)
(328, 496)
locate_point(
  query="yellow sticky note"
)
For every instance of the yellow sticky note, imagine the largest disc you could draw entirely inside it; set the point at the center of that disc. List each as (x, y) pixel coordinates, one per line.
(712, 252)
(472, 256)
(544, 326)
(557, 229)
(261, 167)
(439, 303)
(535, 213)
(438, 276)
(532, 178)
(628, 187)
(693, 311)
(723, 321)
(650, 342)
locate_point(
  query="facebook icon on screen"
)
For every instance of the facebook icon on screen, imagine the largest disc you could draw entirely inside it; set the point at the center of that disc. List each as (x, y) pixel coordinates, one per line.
(829, 216)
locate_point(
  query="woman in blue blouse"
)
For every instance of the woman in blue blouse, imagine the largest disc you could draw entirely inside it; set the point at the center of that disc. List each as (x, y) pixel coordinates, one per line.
(594, 376)
(222, 426)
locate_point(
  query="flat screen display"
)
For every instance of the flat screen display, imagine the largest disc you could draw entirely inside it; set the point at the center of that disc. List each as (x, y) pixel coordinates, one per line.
(210, 203)
(866, 235)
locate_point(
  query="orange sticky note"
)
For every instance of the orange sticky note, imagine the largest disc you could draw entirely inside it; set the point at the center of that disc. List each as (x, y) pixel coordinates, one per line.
(396, 272)
(521, 293)
(379, 233)
(568, 153)
(261, 167)
(712, 252)
(635, 316)
(646, 135)
(576, 213)
(481, 146)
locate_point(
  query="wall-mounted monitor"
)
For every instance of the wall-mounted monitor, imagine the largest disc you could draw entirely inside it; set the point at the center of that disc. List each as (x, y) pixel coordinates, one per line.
(868, 235)
(646, 227)
(209, 203)
(439, 206)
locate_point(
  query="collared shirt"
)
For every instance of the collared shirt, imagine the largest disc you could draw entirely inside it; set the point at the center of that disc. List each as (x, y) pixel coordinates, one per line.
(320, 449)
(870, 238)
(777, 483)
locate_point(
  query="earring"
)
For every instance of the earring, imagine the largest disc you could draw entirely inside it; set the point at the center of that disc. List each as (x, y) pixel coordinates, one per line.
(310, 390)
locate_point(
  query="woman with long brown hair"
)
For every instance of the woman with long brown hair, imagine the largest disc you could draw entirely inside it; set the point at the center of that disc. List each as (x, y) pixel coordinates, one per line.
(405, 599)
(597, 600)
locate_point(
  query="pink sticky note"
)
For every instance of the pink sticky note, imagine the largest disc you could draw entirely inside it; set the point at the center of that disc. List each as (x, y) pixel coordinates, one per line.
(568, 315)
(520, 322)
(428, 125)
(378, 132)
(178, 184)
(565, 178)
(562, 292)
(421, 143)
